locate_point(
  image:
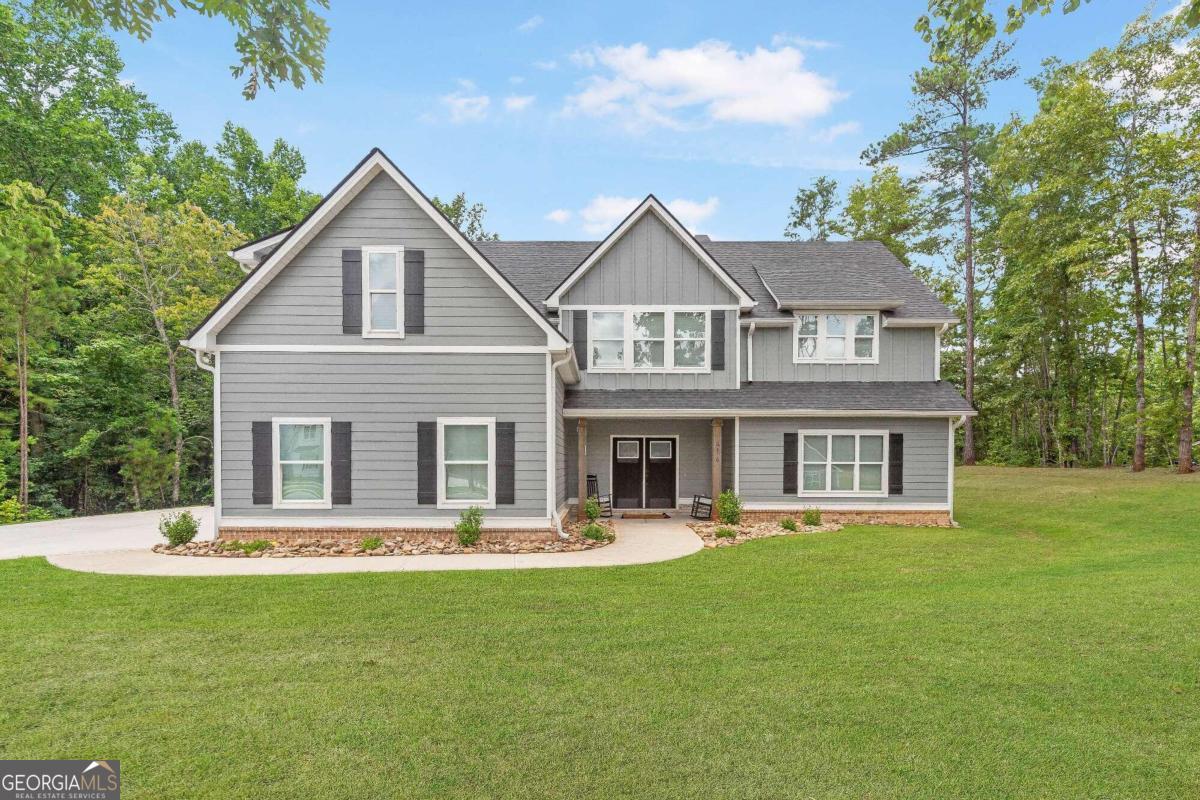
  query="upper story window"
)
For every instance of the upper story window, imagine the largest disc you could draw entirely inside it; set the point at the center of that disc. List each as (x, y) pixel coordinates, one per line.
(648, 339)
(383, 291)
(836, 338)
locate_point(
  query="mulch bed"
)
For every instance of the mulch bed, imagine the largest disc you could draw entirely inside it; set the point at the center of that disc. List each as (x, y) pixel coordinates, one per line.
(336, 548)
(751, 531)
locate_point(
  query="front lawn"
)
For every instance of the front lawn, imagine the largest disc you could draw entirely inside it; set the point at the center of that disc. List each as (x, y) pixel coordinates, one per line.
(1048, 648)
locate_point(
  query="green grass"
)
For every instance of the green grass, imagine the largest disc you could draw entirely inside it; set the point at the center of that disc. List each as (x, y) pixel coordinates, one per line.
(1048, 648)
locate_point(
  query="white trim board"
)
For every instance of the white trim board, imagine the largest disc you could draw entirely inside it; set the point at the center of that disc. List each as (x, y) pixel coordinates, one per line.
(375, 163)
(381, 348)
(651, 205)
(334, 520)
(621, 413)
(828, 506)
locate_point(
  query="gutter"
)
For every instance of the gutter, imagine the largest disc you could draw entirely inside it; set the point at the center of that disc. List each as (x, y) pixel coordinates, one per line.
(750, 352)
(567, 358)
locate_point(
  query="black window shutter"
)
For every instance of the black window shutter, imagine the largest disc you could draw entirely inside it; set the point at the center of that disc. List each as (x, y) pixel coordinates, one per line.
(579, 338)
(261, 458)
(791, 451)
(718, 340)
(352, 291)
(506, 463)
(896, 463)
(414, 291)
(427, 463)
(340, 434)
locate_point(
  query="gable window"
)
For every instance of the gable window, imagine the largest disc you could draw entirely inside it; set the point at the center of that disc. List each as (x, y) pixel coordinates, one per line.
(836, 338)
(301, 468)
(466, 462)
(383, 291)
(650, 339)
(843, 462)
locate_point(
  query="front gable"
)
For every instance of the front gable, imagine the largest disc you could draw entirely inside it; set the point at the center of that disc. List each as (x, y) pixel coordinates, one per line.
(294, 298)
(649, 259)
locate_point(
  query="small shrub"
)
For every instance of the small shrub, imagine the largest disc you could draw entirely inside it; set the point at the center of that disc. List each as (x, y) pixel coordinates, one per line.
(729, 507)
(592, 509)
(372, 543)
(179, 528)
(469, 526)
(812, 517)
(596, 532)
(249, 547)
(788, 524)
(725, 532)
(10, 513)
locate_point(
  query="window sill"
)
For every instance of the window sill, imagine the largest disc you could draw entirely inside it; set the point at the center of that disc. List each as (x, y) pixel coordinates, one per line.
(458, 505)
(650, 371)
(841, 495)
(284, 505)
(841, 361)
(383, 334)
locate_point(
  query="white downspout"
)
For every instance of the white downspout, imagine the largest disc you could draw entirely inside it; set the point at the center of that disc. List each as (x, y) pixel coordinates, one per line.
(750, 353)
(950, 465)
(212, 368)
(553, 500)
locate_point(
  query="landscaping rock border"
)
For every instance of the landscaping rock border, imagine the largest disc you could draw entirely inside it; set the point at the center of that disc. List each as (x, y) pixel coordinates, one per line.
(753, 530)
(418, 546)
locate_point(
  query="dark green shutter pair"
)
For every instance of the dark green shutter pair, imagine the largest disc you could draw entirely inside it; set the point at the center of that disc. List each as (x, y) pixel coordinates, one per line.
(506, 463)
(414, 291)
(579, 338)
(791, 463)
(262, 463)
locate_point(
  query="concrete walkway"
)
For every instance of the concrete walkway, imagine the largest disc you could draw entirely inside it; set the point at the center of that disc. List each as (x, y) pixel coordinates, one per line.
(638, 542)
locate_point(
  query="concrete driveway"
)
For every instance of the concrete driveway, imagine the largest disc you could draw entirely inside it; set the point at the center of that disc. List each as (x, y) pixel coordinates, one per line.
(138, 530)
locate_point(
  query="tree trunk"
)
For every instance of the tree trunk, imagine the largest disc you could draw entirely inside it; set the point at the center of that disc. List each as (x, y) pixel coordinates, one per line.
(1189, 377)
(23, 407)
(178, 465)
(1139, 321)
(968, 453)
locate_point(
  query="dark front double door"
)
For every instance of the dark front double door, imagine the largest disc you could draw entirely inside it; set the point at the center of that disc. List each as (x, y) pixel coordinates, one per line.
(643, 471)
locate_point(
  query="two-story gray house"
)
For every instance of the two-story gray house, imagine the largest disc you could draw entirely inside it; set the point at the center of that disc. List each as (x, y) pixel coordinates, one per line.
(377, 371)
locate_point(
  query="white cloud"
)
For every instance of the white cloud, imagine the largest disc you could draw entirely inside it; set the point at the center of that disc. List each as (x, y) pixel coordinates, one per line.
(710, 82)
(516, 80)
(605, 212)
(834, 132)
(559, 215)
(530, 24)
(467, 104)
(546, 66)
(518, 102)
(783, 39)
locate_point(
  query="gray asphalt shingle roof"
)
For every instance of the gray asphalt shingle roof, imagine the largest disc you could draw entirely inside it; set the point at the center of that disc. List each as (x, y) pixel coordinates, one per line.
(935, 396)
(797, 272)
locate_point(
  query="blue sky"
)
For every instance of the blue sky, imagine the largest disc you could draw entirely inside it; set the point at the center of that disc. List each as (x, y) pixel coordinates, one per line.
(556, 119)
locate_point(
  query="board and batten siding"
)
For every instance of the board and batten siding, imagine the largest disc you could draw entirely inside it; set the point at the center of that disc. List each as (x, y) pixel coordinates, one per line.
(905, 354)
(694, 456)
(926, 443)
(383, 396)
(302, 304)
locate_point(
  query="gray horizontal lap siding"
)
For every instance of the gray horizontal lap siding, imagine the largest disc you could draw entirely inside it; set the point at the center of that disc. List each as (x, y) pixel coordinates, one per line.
(925, 459)
(383, 396)
(302, 304)
(905, 354)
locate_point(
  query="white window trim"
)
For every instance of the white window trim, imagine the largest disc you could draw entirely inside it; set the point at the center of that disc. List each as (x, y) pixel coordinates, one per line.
(442, 422)
(668, 340)
(367, 331)
(277, 500)
(821, 335)
(670, 443)
(827, 492)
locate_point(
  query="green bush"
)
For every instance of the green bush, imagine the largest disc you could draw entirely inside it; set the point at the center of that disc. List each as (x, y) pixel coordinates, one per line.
(592, 509)
(788, 524)
(10, 512)
(812, 517)
(596, 532)
(729, 508)
(179, 528)
(469, 526)
(249, 547)
(724, 532)
(372, 543)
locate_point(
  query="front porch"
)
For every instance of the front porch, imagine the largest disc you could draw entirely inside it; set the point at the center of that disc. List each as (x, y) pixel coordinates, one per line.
(649, 463)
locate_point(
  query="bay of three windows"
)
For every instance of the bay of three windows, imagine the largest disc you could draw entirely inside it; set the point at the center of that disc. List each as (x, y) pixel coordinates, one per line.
(837, 337)
(649, 339)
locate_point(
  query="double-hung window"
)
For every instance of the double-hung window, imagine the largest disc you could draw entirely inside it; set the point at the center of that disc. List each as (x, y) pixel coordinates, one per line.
(836, 338)
(843, 462)
(383, 291)
(659, 339)
(466, 462)
(301, 450)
